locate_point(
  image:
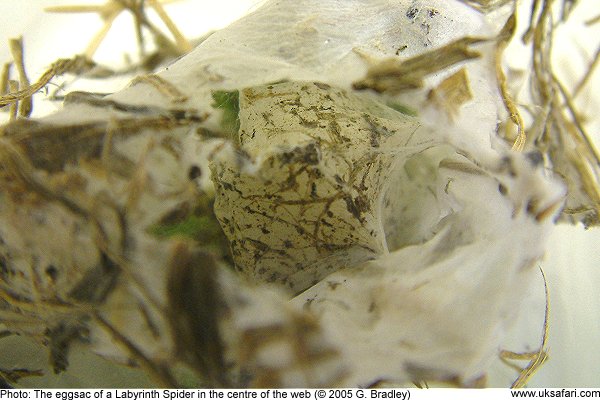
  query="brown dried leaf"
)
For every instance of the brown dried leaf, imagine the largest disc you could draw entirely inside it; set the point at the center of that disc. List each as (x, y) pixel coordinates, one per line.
(393, 76)
(452, 93)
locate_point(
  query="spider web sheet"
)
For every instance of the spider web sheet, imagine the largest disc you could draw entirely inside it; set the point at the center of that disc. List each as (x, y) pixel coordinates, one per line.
(374, 242)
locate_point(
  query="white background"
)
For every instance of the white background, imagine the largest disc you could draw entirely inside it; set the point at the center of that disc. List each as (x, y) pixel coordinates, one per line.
(572, 264)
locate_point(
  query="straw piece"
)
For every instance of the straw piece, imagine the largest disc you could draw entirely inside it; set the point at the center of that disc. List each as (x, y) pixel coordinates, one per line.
(536, 359)
(16, 49)
(4, 77)
(588, 74)
(182, 43)
(504, 39)
(393, 76)
(13, 86)
(75, 65)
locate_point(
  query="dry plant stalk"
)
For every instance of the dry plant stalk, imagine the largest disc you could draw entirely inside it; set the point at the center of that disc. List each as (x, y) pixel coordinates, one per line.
(536, 359)
(393, 76)
(247, 223)
(13, 86)
(504, 38)
(4, 76)
(77, 65)
(564, 139)
(113, 8)
(16, 48)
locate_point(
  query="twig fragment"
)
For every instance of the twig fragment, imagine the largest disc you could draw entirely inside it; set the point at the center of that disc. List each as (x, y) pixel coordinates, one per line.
(76, 65)
(14, 375)
(537, 358)
(161, 374)
(182, 43)
(593, 21)
(109, 11)
(16, 49)
(393, 76)
(162, 85)
(14, 107)
(4, 77)
(504, 39)
(588, 74)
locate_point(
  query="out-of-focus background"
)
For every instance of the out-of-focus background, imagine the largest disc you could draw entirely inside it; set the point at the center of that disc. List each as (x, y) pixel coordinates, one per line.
(572, 264)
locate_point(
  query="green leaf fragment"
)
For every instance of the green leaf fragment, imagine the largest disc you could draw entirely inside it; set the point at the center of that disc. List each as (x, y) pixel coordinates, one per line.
(229, 103)
(199, 225)
(193, 227)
